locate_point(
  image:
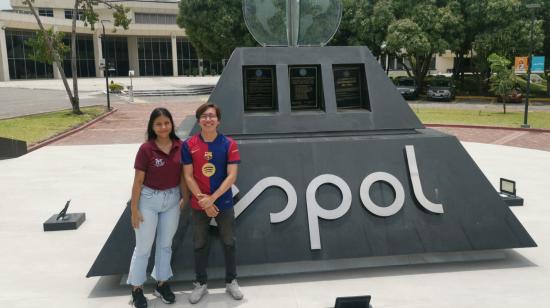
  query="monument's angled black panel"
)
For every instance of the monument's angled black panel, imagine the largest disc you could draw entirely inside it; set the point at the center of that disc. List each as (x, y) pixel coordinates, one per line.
(304, 137)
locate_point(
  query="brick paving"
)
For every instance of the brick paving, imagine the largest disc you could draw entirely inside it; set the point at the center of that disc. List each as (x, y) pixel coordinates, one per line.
(128, 125)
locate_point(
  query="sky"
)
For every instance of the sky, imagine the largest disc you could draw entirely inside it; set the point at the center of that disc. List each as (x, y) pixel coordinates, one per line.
(5, 5)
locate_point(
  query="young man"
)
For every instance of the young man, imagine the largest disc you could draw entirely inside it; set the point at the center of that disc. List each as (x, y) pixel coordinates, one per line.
(210, 162)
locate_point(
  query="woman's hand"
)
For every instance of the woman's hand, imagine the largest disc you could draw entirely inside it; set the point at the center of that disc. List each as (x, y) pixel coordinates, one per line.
(137, 218)
(182, 204)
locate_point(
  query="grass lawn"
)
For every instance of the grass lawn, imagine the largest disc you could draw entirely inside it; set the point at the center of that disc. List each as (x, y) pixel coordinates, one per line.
(538, 119)
(38, 127)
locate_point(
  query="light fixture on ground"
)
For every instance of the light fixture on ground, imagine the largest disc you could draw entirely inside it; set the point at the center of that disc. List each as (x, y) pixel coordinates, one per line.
(508, 193)
(532, 7)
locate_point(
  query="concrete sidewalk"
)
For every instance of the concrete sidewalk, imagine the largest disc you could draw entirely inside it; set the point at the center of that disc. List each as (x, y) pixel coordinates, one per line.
(48, 268)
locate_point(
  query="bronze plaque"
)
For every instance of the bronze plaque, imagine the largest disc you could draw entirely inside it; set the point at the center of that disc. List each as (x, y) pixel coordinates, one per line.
(305, 90)
(350, 87)
(260, 88)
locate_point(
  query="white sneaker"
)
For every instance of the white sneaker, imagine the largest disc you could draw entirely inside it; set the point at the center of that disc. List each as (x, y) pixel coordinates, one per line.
(198, 292)
(233, 290)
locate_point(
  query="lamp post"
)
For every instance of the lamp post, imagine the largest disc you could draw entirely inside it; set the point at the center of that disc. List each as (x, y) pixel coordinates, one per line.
(532, 7)
(106, 66)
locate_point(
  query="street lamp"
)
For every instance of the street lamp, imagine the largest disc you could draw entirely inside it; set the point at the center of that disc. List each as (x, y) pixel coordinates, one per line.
(106, 66)
(532, 7)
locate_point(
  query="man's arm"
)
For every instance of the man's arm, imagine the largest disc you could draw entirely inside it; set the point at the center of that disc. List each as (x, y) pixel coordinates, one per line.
(226, 184)
(211, 210)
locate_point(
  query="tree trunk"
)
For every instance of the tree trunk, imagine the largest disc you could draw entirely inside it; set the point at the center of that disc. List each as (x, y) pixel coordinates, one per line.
(547, 75)
(76, 100)
(57, 58)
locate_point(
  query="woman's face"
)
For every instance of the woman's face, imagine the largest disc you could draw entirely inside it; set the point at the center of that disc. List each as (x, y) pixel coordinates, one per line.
(208, 120)
(162, 126)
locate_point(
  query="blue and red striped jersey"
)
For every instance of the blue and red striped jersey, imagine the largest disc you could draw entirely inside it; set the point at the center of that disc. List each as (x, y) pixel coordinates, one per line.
(210, 160)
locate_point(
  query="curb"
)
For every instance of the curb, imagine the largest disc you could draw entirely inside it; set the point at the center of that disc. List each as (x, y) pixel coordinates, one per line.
(536, 130)
(70, 132)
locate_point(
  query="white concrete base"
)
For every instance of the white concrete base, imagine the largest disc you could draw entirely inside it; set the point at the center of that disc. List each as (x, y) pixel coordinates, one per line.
(48, 268)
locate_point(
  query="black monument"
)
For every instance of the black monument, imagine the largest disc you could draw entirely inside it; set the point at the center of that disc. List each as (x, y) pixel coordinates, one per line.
(335, 165)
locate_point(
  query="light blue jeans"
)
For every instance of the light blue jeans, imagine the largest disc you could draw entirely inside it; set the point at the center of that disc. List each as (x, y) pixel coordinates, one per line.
(160, 212)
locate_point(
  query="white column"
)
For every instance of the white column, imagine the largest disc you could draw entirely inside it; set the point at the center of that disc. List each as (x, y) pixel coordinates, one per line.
(98, 53)
(4, 68)
(174, 55)
(133, 56)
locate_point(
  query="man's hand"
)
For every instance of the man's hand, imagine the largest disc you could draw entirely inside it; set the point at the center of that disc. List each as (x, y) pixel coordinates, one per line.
(212, 211)
(137, 218)
(206, 201)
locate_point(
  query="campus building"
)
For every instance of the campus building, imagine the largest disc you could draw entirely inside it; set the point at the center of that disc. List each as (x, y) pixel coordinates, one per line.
(153, 45)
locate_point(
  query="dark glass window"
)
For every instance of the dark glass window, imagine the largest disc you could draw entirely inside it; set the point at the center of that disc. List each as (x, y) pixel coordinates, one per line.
(48, 12)
(69, 14)
(20, 64)
(155, 56)
(85, 62)
(115, 52)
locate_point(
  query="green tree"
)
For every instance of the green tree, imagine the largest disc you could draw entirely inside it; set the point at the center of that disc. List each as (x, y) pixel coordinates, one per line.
(51, 49)
(493, 26)
(214, 27)
(421, 30)
(365, 22)
(502, 78)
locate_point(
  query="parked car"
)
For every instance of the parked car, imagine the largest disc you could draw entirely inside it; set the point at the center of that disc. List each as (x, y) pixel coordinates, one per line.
(441, 89)
(515, 97)
(407, 87)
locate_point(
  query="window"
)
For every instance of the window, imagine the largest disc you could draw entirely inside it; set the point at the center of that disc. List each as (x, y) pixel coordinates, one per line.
(19, 62)
(48, 12)
(85, 62)
(69, 15)
(155, 56)
(155, 19)
(115, 52)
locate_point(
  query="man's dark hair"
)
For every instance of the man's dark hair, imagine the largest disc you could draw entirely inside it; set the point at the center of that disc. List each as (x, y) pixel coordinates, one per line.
(205, 107)
(157, 112)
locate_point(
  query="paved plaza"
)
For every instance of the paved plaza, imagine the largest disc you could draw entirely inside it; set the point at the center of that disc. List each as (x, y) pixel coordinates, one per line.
(94, 168)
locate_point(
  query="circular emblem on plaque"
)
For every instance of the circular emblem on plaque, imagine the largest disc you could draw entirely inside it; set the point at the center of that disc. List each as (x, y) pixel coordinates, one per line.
(259, 73)
(303, 72)
(208, 169)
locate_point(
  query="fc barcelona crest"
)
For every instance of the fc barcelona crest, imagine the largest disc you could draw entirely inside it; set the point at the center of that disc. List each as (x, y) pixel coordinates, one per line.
(208, 155)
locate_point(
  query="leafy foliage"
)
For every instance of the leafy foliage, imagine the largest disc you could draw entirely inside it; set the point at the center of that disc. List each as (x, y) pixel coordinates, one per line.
(40, 47)
(214, 27)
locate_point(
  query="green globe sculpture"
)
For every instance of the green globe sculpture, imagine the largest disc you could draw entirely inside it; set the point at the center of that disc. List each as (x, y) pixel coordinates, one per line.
(292, 22)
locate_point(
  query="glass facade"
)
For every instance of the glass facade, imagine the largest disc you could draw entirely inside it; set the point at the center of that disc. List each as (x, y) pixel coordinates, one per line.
(155, 19)
(69, 15)
(188, 61)
(155, 56)
(115, 52)
(19, 62)
(85, 62)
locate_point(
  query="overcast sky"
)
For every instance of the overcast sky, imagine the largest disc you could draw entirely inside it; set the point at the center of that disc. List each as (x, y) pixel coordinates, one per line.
(5, 5)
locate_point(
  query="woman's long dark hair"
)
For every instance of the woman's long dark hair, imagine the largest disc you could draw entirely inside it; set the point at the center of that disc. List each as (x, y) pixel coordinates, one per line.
(157, 112)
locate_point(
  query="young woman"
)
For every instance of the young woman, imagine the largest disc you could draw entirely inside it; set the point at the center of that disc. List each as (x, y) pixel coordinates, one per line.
(158, 194)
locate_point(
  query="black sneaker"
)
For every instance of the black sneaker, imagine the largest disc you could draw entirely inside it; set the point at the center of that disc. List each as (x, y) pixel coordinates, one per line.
(164, 293)
(138, 299)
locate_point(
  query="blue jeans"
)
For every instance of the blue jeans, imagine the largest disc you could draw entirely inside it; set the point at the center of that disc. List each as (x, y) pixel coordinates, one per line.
(160, 212)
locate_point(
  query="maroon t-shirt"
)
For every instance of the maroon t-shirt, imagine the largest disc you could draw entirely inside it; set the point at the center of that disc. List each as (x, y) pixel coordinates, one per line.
(162, 171)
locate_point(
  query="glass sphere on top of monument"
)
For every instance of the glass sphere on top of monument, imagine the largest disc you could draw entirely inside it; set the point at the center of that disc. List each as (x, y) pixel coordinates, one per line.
(292, 22)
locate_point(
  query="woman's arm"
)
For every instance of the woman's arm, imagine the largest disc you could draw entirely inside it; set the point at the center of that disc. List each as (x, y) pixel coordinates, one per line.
(184, 191)
(139, 177)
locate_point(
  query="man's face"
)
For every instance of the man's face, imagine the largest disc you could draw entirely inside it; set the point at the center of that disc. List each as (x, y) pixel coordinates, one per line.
(208, 121)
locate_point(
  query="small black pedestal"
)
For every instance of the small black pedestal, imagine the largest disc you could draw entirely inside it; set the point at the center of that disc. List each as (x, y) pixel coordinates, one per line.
(71, 222)
(511, 200)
